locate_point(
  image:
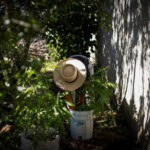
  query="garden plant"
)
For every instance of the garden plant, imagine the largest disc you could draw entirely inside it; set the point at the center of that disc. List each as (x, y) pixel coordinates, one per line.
(26, 98)
(96, 92)
(39, 108)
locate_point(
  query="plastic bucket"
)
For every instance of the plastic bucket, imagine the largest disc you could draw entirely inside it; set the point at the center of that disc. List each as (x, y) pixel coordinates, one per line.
(81, 124)
(27, 144)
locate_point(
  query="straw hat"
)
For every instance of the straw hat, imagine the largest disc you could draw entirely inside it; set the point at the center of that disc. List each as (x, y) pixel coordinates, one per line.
(69, 74)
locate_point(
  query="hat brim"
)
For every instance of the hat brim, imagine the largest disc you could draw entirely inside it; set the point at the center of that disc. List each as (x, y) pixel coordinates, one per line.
(81, 75)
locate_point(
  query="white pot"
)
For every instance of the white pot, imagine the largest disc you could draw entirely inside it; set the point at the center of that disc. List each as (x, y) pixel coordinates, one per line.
(27, 144)
(81, 124)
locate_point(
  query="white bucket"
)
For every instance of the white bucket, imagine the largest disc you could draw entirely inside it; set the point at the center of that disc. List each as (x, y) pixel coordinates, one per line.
(81, 124)
(27, 144)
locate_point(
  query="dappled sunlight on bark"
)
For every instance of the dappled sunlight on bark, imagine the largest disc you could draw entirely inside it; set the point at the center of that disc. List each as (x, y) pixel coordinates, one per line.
(129, 52)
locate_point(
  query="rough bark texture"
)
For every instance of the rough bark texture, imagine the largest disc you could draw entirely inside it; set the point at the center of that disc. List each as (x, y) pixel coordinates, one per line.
(126, 49)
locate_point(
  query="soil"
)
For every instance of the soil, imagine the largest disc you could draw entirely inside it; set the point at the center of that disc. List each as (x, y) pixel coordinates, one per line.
(105, 137)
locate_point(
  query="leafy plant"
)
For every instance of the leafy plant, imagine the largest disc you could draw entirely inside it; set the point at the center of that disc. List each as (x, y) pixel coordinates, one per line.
(20, 21)
(74, 27)
(97, 91)
(13, 61)
(38, 107)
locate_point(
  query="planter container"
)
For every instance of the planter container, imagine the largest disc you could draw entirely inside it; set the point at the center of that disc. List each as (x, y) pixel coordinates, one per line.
(27, 144)
(81, 124)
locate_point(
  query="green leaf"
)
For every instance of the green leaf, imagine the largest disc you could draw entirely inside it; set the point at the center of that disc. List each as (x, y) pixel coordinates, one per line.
(65, 109)
(69, 103)
(1, 94)
(29, 90)
(17, 108)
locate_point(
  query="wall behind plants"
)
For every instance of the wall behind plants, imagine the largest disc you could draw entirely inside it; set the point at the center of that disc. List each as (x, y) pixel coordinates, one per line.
(126, 49)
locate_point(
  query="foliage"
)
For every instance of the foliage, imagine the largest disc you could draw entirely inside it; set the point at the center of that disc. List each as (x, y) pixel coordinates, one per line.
(74, 27)
(70, 26)
(20, 21)
(16, 30)
(12, 65)
(54, 54)
(38, 106)
(97, 91)
(34, 104)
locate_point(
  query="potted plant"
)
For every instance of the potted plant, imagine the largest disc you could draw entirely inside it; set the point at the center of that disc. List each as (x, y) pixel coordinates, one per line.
(90, 99)
(40, 112)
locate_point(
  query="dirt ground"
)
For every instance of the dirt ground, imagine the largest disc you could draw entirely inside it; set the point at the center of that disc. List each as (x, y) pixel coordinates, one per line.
(105, 137)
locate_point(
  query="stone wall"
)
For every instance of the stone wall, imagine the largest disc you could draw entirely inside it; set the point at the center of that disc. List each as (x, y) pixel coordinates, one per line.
(126, 49)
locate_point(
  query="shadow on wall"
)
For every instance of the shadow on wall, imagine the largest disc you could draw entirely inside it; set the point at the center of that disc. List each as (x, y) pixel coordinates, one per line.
(127, 51)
